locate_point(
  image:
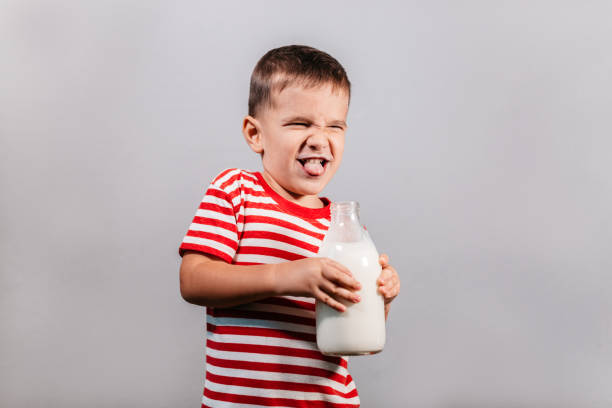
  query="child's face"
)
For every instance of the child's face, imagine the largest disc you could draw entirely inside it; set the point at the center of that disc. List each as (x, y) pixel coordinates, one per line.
(301, 138)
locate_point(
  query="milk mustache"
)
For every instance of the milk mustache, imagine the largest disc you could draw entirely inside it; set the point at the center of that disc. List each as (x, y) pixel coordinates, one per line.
(360, 329)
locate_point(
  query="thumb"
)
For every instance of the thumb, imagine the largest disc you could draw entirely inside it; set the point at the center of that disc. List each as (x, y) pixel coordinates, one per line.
(383, 259)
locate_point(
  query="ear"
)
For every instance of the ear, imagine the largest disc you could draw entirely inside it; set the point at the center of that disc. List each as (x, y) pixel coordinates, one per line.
(251, 130)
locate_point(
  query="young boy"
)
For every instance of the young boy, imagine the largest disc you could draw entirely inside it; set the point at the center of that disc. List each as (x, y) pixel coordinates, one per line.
(250, 253)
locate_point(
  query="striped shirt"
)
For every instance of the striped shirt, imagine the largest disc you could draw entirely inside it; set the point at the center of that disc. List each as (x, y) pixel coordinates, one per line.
(264, 353)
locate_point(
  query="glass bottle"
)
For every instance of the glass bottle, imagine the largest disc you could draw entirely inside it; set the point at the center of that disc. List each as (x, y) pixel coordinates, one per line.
(360, 329)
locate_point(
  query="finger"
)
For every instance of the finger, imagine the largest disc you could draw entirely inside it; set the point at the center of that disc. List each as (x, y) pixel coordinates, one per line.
(388, 296)
(339, 293)
(391, 290)
(328, 300)
(341, 279)
(392, 283)
(384, 291)
(340, 274)
(385, 275)
(340, 267)
(383, 259)
(388, 279)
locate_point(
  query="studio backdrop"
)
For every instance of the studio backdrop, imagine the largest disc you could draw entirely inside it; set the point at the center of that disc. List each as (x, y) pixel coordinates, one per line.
(478, 148)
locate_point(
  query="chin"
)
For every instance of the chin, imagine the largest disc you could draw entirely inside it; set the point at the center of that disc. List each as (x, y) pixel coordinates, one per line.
(311, 188)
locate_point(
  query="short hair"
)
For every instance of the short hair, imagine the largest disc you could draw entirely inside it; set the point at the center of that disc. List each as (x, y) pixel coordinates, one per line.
(293, 64)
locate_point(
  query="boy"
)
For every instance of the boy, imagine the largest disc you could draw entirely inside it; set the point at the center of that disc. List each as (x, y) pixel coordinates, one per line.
(250, 253)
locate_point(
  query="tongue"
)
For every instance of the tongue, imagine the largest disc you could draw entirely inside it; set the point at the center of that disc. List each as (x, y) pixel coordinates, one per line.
(313, 167)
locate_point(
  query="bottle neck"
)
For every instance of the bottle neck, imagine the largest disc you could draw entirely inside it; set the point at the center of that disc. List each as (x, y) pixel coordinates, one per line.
(345, 224)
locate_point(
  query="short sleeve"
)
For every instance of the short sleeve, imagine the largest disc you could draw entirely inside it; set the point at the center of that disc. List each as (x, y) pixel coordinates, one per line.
(214, 228)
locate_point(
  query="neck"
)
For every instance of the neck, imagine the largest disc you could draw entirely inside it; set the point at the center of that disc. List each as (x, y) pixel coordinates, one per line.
(307, 201)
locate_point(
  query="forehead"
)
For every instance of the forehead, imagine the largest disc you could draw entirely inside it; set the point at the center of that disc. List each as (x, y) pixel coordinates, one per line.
(323, 99)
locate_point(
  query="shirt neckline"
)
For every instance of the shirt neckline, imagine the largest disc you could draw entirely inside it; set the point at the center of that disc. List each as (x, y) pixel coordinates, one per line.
(306, 212)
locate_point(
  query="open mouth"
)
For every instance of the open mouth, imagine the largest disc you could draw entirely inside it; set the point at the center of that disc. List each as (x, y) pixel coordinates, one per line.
(314, 166)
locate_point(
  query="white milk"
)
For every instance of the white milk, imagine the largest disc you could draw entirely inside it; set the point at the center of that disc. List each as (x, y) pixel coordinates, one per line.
(361, 328)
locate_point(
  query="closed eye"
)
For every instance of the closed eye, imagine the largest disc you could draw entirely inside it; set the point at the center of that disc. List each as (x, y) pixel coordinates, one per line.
(299, 124)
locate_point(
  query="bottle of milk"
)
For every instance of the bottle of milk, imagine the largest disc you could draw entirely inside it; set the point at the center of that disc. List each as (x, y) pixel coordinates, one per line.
(360, 329)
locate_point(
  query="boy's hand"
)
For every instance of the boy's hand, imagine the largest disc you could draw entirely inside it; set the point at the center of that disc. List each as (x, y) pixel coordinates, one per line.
(322, 278)
(388, 282)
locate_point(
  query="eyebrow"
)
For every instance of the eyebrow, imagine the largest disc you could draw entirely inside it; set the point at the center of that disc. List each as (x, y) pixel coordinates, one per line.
(305, 119)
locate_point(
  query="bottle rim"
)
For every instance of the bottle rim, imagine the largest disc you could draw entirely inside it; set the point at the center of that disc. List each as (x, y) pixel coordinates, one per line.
(344, 207)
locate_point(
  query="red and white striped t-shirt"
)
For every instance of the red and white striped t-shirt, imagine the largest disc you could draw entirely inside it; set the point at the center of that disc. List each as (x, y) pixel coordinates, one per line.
(264, 353)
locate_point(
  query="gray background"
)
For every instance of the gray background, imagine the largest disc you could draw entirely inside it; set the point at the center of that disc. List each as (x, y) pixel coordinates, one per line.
(479, 149)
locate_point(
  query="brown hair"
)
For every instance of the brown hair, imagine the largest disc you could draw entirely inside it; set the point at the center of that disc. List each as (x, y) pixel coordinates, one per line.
(292, 64)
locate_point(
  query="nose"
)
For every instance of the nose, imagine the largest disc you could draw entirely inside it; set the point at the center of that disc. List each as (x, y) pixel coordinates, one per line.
(317, 141)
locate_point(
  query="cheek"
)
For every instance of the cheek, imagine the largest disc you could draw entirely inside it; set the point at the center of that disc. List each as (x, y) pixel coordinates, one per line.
(338, 150)
(278, 154)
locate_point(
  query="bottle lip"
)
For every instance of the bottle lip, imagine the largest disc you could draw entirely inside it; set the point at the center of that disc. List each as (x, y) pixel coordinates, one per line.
(344, 206)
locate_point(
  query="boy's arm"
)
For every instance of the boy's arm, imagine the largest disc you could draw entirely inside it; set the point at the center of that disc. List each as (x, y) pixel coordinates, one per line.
(209, 281)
